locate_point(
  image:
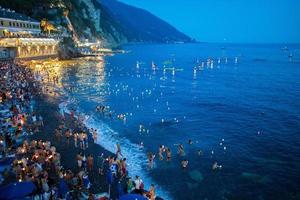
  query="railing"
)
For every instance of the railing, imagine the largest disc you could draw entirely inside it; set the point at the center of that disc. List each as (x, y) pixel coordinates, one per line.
(54, 36)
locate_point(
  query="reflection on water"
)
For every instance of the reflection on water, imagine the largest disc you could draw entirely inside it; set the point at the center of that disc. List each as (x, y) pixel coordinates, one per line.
(50, 73)
(243, 115)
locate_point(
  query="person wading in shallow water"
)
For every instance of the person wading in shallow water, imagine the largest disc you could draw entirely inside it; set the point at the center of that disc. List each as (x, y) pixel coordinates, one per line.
(138, 185)
(151, 194)
(181, 150)
(123, 168)
(184, 164)
(151, 157)
(168, 154)
(118, 152)
(95, 135)
(160, 152)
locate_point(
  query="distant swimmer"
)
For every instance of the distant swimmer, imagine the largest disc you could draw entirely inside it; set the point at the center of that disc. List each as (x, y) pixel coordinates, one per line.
(121, 117)
(181, 150)
(199, 153)
(153, 65)
(100, 108)
(151, 157)
(141, 145)
(160, 152)
(184, 163)
(190, 141)
(290, 57)
(168, 154)
(216, 166)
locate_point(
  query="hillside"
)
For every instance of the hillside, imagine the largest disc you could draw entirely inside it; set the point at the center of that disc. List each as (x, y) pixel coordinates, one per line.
(139, 25)
(111, 21)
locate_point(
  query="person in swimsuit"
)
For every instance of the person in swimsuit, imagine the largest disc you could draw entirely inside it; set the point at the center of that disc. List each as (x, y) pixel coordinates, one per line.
(168, 154)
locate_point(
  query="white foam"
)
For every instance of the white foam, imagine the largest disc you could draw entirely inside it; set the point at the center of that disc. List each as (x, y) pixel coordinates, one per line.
(108, 138)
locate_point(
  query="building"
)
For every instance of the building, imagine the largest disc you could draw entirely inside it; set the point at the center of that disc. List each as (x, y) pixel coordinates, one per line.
(20, 37)
(13, 24)
(29, 47)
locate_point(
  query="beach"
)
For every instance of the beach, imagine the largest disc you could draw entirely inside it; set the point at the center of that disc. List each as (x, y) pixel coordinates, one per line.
(39, 121)
(213, 131)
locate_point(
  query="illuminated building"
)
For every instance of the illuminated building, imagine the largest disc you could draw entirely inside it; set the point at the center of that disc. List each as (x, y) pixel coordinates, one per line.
(13, 24)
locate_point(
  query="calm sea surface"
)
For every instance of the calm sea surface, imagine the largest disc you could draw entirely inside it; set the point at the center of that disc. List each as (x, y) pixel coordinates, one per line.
(244, 115)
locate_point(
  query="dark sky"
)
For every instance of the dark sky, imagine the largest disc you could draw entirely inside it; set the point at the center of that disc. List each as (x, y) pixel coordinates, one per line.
(256, 21)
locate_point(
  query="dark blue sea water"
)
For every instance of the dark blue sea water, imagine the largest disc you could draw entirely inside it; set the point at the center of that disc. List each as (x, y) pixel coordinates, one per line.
(247, 113)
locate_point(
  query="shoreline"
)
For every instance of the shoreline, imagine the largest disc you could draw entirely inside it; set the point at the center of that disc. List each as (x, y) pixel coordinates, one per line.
(48, 107)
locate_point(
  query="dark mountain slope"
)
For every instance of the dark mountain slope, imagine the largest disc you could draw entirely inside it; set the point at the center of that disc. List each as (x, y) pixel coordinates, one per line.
(139, 25)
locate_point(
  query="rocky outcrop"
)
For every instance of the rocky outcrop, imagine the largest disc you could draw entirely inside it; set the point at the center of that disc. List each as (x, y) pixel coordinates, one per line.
(110, 21)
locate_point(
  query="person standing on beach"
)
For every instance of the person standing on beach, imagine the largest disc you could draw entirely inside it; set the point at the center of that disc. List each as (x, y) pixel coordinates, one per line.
(151, 194)
(41, 121)
(95, 135)
(130, 186)
(84, 162)
(58, 135)
(90, 162)
(100, 163)
(75, 139)
(85, 141)
(138, 185)
(80, 137)
(114, 167)
(123, 168)
(68, 135)
(79, 160)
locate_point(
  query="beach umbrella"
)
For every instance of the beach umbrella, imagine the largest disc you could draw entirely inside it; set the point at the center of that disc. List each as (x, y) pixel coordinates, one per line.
(17, 190)
(132, 197)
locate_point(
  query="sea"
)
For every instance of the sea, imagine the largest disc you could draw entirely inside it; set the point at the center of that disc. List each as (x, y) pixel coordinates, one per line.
(234, 104)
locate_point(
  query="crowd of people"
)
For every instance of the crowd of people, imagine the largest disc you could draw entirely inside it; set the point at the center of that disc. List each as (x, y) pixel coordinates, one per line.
(38, 161)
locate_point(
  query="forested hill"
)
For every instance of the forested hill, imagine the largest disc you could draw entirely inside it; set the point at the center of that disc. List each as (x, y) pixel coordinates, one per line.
(111, 21)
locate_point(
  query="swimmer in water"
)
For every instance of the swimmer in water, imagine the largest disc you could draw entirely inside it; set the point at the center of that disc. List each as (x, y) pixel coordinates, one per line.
(151, 157)
(168, 154)
(200, 153)
(184, 163)
(141, 145)
(160, 152)
(216, 166)
(181, 150)
(190, 141)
